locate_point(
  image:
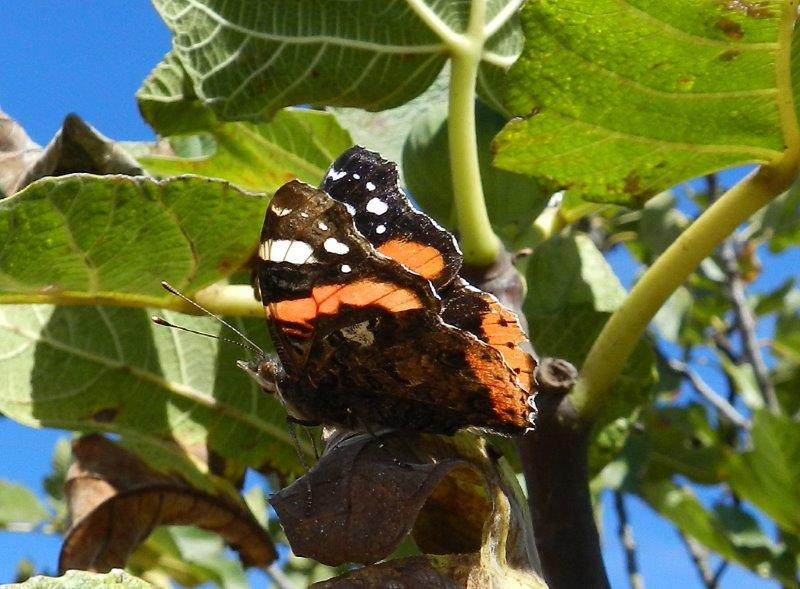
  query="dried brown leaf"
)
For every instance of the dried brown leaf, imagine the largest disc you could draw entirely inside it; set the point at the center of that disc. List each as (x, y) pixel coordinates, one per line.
(366, 493)
(115, 501)
(76, 147)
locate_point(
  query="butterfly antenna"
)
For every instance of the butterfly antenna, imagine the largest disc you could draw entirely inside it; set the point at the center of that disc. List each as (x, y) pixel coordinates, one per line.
(163, 322)
(251, 345)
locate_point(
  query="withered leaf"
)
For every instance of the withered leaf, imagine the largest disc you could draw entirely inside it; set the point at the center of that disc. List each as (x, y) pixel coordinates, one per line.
(367, 492)
(76, 147)
(115, 500)
(361, 499)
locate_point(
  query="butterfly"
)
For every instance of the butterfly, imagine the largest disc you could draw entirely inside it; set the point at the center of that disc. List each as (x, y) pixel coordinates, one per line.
(370, 320)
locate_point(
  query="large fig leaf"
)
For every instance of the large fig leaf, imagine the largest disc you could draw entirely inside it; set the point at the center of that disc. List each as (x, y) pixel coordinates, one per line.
(623, 100)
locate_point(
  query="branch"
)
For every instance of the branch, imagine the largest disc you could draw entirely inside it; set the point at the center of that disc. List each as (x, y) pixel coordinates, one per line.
(700, 560)
(746, 324)
(710, 395)
(625, 532)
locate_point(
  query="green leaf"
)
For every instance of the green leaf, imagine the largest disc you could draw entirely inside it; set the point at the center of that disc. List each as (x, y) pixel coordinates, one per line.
(571, 293)
(18, 505)
(681, 441)
(776, 300)
(189, 556)
(671, 316)
(85, 238)
(767, 476)
(168, 101)
(387, 131)
(730, 532)
(786, 378)
(622, 101)
(116, 579)
(787, 334)
(744, 377)
(779, 221)
(660, 224)
(246, 61)
(170, 395)
(249, 60)
(261, 157)
(513, 200)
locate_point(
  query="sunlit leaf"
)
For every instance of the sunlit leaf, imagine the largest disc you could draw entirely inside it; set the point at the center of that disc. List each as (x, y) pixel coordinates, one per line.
(622, 101)
(116, 579)
(296, 143)
(97, 237)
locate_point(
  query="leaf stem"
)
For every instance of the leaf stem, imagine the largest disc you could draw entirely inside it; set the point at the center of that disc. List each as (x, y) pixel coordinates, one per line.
(625, 327)
(479, 243)
(229, 299)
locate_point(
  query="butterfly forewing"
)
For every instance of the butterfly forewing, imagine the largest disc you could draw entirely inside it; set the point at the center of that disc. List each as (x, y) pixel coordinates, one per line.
(367, 184)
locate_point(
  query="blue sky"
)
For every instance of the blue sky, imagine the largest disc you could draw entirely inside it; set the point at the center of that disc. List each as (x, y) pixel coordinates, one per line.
(89, 57)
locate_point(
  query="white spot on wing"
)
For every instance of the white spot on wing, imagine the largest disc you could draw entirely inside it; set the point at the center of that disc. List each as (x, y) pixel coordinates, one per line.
(287, 250)
(346, 268)
(335, 174)
(280, 211)
(376, 206)
(380, 229)
(357, 176)
(304, 215)
(322, 226)
(370, 186)
(335, 246)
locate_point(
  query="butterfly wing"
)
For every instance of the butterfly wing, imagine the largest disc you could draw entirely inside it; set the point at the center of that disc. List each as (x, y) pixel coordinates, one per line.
(368, 185)
(313, 266)
(362, 336)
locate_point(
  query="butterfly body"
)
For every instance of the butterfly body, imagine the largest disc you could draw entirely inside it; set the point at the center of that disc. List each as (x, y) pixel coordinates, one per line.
(371, 322)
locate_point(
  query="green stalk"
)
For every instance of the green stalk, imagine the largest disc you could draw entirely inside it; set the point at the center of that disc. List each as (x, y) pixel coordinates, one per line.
(479, 243)
(626, 326)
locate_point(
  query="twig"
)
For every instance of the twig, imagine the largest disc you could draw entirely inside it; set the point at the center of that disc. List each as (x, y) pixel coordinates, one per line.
(710, 395)
(625, 532)
(723, 566)
(699, 558)
(746, 324)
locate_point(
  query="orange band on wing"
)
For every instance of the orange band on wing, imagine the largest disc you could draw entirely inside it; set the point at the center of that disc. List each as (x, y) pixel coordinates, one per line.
(423, 259)
(326, 300)
(501, 330)
(508, 400)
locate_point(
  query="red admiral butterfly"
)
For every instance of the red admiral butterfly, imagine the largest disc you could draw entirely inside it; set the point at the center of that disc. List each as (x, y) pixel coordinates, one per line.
(370, 320)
